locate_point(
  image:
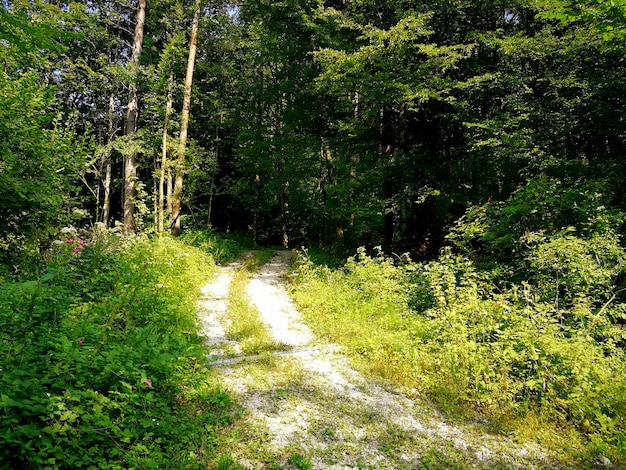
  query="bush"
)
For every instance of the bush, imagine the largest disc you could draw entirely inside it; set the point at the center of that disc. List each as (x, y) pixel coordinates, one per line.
(497, 232)
(101, 351)
(508, 354)
(443, 328)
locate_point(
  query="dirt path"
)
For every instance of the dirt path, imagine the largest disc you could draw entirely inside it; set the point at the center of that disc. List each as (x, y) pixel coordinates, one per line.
(307, 408)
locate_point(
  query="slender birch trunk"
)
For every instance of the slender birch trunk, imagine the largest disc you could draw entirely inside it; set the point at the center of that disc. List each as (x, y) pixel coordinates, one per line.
(106, 204)
(184, 125)
(164, 162)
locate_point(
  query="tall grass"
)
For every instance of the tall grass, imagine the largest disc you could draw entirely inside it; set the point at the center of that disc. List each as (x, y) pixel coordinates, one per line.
(245, 324)
(443, 330)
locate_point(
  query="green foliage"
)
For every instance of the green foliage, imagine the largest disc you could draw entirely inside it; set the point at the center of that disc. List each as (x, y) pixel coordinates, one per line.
(40, 155)
(21, 35)
(605, 17)
(222, 249)
(300, 462)
(103, 366)
(569, 267)
(442, 328)
(503, 231)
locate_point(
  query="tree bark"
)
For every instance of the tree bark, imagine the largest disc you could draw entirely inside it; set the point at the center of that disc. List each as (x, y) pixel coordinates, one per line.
(106, 209)
(169, 189)
(387, 188)
(285, 214)
(106, 204)
(184, 125)
(257, 209)
(164, 163)
(130, 127)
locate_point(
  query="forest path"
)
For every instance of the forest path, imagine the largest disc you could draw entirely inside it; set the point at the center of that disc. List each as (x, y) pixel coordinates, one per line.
(305, 407)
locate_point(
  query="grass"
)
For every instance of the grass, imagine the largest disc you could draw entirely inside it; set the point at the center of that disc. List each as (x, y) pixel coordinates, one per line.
(223, 249)
(329, 428)
(368, 307)
(245, 324)
(102, 363)
(292, 419)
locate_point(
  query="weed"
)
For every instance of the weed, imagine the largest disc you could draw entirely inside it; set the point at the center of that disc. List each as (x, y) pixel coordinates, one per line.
(103, 367)
(300, 462)
(245, 325)
(507, 357)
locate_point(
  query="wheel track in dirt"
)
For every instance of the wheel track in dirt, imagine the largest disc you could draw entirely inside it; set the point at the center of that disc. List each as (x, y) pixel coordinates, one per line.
(308, 399)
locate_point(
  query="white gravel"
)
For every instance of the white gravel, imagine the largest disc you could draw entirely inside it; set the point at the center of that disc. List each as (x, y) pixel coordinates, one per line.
(334, 414)
(212, 312)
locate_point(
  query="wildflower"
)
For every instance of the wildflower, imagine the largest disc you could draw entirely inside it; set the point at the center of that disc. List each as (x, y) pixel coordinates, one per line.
(82, 243)
(147, 383)
(76, 249)
(70, 240)
(80, 341)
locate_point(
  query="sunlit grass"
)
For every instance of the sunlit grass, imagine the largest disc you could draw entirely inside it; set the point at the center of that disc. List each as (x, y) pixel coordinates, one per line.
(365, 307)
(116, 348)
(245, 324)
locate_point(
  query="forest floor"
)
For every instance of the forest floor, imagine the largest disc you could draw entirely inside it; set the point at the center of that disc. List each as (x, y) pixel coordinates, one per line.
(304, 407)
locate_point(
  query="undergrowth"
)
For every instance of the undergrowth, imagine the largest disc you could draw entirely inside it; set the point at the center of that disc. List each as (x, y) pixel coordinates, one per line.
(223, 249)
(102, 364)
(528, 337)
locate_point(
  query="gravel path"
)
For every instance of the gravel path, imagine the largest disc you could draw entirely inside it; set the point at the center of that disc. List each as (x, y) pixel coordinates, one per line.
(308, 402)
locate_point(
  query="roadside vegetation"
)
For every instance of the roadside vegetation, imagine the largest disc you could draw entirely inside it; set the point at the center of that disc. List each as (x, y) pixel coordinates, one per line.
(102, 364)
(518, 324)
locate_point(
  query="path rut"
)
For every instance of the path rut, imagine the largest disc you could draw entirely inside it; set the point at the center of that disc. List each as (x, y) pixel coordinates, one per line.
(308, 402)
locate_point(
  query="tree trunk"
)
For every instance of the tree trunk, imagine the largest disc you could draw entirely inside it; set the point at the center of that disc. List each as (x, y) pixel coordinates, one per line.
(184, 125)
(106, 205)
(387, 188)
(256, 210)
(285, 214)
(321, 189)
(130, 168)
(354, 162)
(168, 112)
(106, 210)
(170, 189)
(211, 194)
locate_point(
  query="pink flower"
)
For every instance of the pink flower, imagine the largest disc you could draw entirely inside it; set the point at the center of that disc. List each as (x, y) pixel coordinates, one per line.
(70, 240)
(147, 382)
(82, 243)
(80, 341)
(76, 249)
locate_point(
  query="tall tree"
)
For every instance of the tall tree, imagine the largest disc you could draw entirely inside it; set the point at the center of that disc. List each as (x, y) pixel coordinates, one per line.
(130, 127)
(184, 124)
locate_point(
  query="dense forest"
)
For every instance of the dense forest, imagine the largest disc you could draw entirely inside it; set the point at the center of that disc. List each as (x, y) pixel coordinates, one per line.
(472, 150)
(336, 124)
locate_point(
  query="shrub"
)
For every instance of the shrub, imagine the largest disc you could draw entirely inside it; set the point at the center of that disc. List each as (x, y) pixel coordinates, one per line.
(100, 352)
(443, 328)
